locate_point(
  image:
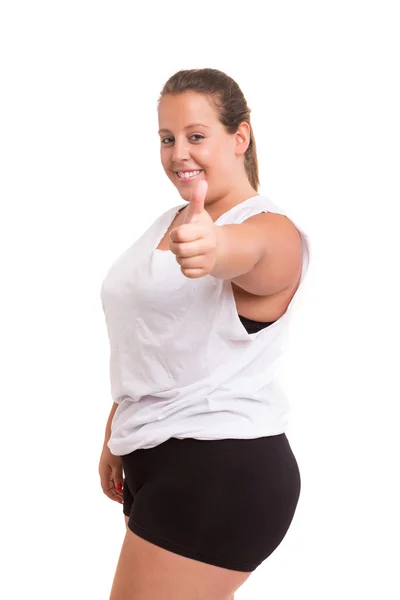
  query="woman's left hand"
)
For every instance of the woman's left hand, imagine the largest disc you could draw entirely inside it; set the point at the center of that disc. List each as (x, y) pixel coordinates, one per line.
(195, 242)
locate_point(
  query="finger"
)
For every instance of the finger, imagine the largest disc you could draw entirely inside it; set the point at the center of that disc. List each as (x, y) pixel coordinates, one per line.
(186, 247)
(197, 200)
(193, 273)
(195, 262)
(114, 487)
(113, 495)
(118, 484)
(109, 490)
(117, 476)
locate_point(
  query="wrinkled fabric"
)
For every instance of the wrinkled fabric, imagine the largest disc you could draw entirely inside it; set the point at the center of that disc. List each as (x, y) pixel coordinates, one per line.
(181, 362)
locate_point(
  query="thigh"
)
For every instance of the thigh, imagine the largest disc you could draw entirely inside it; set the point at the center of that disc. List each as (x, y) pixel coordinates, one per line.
(146, 571)
(227, 503)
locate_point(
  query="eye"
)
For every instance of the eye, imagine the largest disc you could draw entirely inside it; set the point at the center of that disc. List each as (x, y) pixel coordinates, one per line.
(165, 141)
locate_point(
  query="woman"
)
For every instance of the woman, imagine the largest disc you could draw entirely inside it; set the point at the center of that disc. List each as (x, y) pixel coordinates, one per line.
(197, 311)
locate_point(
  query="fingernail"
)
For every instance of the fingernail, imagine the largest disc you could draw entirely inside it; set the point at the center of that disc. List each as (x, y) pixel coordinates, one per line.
(118, 487)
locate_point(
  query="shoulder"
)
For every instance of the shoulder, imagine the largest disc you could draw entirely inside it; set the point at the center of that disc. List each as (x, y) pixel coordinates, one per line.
(277, 225)
(280, 263)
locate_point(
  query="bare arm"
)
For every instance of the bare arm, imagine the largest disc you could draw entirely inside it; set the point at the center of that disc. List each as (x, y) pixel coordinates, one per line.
(110, 466)
(262, 255)
(108, 426)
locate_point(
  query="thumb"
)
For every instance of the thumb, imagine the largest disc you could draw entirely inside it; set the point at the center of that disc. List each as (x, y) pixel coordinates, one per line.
(197, 200)
(118, 478)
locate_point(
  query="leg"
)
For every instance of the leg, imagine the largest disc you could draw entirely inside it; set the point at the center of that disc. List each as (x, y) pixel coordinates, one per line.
(148, 572)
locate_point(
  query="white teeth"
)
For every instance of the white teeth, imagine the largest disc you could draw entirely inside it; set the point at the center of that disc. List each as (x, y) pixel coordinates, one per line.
(188, 175)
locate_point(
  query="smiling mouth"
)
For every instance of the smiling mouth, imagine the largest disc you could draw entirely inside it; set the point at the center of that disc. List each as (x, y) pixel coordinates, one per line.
(188, 176)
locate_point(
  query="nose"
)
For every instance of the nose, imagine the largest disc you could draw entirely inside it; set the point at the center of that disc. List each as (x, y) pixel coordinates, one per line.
(181, 150)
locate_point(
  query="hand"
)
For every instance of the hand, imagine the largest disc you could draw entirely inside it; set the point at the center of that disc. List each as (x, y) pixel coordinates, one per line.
(195, 242)
(110, 471)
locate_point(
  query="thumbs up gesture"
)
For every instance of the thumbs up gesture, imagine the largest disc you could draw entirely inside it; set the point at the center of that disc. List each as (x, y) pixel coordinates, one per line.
(195, 242)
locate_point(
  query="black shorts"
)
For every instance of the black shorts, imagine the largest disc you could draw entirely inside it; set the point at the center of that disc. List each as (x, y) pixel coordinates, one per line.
(224, 502)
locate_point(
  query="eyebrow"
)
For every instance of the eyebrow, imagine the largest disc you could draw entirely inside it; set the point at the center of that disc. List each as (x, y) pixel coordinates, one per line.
(187, 127)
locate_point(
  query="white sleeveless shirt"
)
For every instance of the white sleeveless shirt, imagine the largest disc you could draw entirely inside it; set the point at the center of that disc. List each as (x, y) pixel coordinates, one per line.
(181, 362)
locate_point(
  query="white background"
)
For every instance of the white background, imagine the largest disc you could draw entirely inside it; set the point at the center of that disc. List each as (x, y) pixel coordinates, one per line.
(81, 180)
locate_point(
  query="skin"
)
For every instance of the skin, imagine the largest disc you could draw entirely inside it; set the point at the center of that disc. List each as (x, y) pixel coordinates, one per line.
(220, 156)
(209, 147)
(262, 256)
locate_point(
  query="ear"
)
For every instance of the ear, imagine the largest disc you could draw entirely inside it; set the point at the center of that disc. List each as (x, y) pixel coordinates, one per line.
(242, 137)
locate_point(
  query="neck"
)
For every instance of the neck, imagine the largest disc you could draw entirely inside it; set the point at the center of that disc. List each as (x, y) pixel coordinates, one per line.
(222, 203)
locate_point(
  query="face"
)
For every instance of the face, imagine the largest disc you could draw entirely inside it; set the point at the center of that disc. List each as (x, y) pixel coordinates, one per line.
(194, 141)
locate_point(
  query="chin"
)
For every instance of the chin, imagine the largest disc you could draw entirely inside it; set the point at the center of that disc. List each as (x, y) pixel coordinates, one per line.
(184, 194)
